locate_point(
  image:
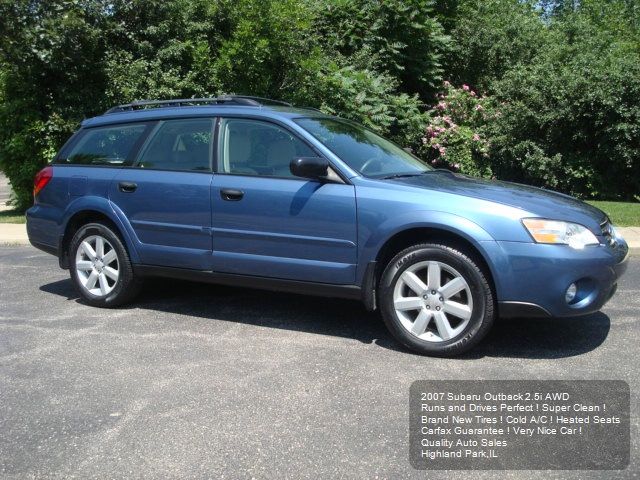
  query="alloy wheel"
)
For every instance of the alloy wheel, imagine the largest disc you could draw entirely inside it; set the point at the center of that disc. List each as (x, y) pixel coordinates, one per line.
(433, 301)
(97, 265)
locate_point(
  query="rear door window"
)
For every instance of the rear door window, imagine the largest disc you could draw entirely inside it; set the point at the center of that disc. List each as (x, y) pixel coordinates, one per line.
(184, 144)
(111, 146)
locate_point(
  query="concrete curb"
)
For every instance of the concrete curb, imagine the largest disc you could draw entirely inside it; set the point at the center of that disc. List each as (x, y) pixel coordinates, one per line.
(13, 234)
(16, 234)
(632, 237)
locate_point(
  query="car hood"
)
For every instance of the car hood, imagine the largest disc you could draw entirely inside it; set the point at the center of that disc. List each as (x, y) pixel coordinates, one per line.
(538, 201)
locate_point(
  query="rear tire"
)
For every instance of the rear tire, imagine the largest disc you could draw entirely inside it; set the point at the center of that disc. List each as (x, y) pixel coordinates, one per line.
(435, 300)
(100, 267)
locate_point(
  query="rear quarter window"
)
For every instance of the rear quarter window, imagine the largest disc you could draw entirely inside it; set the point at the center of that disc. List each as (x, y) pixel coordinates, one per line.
(111, 146)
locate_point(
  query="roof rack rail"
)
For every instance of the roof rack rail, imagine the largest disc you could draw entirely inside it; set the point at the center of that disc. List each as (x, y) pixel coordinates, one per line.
(190, 102)
(312, 108)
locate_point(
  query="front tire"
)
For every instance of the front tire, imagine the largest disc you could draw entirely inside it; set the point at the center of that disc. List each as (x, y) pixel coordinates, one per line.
(435, 300)
(100, 267)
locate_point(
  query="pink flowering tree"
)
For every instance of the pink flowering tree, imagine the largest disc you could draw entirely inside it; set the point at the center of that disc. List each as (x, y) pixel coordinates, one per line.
(454, 137)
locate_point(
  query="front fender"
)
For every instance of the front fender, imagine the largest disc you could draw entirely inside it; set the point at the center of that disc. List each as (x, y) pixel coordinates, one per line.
(377, 237)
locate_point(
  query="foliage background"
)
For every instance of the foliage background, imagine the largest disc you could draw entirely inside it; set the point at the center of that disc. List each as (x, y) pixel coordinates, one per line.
(544, 92)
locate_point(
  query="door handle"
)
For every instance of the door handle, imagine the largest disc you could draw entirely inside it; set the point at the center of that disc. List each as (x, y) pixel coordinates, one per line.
(127, 187)
(231, 194)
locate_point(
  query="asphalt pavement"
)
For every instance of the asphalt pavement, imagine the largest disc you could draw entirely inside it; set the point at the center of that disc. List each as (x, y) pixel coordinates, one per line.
(201, 381)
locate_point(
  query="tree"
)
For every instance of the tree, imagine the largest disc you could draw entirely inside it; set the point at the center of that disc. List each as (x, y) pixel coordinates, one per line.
(490, 37)
(402, 38)
(562, 77)
(48, 55)
(571, 116)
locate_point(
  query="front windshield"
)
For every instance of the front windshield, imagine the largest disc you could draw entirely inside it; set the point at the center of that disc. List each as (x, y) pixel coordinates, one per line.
(361, 149)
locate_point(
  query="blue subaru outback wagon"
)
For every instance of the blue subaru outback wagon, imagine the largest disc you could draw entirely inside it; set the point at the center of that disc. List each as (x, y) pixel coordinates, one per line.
(253, 192)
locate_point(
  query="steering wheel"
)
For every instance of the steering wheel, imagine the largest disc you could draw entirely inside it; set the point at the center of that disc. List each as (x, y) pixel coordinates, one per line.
(368, 163)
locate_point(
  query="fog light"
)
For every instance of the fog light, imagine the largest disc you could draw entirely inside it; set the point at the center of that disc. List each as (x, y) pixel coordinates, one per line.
(571, 293)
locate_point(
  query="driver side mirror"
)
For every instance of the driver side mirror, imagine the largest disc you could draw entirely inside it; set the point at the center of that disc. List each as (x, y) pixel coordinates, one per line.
(315, 168)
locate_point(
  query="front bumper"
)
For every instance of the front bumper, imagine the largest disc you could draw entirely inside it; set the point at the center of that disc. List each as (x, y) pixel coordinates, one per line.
(534, 278)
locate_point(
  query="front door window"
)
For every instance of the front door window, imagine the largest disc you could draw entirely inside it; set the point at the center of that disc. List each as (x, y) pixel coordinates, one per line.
(253, 147)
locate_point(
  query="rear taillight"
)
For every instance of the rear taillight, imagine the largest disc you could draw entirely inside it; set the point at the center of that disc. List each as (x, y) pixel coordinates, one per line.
(41, 179)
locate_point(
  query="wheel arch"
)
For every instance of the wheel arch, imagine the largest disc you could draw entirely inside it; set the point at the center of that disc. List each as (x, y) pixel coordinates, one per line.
(88, 213)
(454, 231)
(416, 235)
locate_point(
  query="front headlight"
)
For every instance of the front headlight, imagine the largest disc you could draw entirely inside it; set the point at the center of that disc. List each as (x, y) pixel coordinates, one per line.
(555, 231)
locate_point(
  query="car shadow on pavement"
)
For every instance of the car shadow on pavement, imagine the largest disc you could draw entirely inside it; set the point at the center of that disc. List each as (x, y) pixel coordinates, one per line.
(519, 338)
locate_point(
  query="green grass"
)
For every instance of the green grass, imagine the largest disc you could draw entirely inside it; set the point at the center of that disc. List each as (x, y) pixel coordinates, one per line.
(622, 214)
(11, 216)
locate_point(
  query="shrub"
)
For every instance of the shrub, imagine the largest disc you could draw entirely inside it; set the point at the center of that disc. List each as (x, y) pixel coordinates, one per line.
(369, 98)
(561, 81)
(571, 119)
(454, 137)
(48, 58)
(401, 38)
(490, 37)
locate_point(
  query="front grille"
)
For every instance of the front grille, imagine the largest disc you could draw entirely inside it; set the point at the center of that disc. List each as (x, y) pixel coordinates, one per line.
(607, 232)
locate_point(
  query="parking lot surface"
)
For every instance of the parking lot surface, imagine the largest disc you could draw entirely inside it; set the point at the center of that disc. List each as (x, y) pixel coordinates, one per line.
(202, 381)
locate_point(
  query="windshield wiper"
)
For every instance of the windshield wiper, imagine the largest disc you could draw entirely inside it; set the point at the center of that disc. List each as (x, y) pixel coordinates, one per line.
(404, 175)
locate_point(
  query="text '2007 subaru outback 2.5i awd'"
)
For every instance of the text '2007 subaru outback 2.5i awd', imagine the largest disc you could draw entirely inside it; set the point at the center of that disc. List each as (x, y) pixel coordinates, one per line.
(253, 192)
